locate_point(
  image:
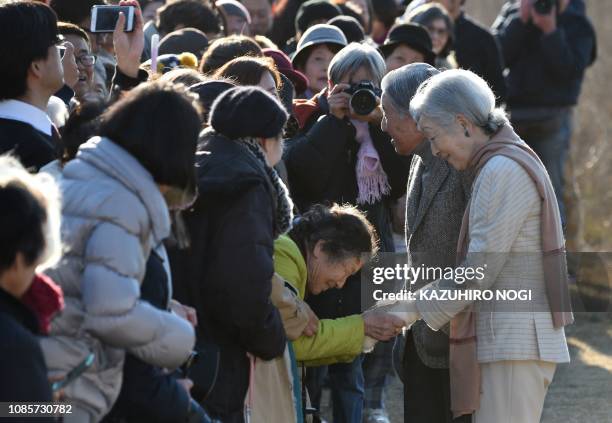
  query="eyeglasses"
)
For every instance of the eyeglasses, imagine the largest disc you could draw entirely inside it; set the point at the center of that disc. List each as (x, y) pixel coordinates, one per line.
(86, 60)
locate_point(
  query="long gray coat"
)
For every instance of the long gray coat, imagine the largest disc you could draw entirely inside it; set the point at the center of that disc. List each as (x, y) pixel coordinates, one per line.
(112, 216)
(434, 209)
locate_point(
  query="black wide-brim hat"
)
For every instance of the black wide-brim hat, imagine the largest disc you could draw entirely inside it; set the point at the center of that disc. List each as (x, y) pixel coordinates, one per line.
(412, 35)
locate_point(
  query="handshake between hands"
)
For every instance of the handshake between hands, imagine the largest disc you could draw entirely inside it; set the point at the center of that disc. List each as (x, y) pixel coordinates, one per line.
(387, 319)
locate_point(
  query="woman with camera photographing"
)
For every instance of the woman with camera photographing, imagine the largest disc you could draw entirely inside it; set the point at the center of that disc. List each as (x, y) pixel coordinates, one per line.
(342, 156)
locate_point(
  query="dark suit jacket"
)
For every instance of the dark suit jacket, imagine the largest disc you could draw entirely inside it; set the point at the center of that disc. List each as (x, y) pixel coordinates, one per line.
(434, 210)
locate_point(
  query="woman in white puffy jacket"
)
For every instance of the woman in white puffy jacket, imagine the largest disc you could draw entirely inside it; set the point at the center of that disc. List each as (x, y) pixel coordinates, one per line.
(116, 195)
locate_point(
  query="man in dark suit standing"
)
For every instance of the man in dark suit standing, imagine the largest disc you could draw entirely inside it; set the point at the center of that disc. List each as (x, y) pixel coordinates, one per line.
(30, 73)
(436, 199)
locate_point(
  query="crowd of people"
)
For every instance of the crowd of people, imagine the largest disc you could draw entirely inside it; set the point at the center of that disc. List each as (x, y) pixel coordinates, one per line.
(186, 207)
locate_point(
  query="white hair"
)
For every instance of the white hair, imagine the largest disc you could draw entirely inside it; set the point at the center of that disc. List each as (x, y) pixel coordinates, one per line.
(401, 84)
(353, 57)
(458, 92)
(45, 190)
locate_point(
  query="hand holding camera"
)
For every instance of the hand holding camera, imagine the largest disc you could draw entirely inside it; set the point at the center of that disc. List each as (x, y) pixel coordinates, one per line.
(338, 101)
(358, 101)
(543, 13)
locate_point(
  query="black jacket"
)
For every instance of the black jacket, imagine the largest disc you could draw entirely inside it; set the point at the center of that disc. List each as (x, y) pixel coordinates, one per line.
(22, 365)
(477, 50)
(33, 148)
(321, 165)
(226, 274)
(148, 393)
(546, 70)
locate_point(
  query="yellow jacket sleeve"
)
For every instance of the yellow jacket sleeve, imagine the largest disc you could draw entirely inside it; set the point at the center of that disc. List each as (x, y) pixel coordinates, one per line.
(337, 340)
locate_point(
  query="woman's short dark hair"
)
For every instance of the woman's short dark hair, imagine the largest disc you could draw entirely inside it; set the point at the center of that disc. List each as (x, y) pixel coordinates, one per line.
(424, 15)
(344, 230)
(67, 28)
(82, 124)
(74, 11)
(22, 217)
(225, 49)
(187, 14)
(27, 30)
(249, 70)
(158, 123)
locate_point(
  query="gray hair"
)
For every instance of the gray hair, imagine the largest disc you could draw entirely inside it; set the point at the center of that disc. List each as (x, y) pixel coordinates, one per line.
(400, 85)
(458, 92)
(355, 56)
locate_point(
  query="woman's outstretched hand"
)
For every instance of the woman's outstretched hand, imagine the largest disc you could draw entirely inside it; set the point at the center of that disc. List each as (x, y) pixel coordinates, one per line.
(385, 321)
(381, 325)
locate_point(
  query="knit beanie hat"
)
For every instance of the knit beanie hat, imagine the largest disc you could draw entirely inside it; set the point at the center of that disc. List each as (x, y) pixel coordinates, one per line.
(247, 112)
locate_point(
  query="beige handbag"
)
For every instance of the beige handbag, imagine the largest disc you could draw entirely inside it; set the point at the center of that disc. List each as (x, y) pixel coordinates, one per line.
(270, 398)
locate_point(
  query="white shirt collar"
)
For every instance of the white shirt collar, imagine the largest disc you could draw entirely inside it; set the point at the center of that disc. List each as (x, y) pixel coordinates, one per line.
(26, 113)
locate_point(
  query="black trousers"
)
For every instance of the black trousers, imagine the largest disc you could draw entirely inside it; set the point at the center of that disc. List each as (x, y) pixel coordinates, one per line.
(426, 390)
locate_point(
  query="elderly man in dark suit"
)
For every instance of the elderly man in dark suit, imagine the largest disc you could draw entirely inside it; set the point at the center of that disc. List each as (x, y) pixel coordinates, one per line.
(436, 199)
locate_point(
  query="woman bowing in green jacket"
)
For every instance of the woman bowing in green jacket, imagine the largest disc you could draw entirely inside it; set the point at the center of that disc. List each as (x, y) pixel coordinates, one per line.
(325, 247)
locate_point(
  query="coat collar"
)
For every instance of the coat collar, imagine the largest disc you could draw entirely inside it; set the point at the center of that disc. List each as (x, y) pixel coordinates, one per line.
(18, 311)
(26, 113)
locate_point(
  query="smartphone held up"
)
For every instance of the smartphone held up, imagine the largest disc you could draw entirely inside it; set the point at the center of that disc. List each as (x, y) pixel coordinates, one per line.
(104, 18)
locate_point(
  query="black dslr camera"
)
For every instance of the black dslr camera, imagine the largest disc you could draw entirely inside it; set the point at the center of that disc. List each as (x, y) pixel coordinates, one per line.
(363, 97)
(544, 7)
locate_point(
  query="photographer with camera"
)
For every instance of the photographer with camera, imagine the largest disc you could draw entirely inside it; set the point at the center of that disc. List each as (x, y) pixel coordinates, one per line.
(341, 155)
(547, 46)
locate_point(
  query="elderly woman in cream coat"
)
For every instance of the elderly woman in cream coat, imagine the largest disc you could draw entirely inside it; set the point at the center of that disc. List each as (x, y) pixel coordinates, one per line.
(503, 354)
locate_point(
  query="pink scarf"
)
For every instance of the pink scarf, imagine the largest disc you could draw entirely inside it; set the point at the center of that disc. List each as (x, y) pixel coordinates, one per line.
(464, 367)
(371, 178)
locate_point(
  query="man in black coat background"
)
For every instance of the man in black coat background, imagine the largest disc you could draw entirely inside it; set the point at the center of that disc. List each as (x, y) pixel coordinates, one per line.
(547, 55)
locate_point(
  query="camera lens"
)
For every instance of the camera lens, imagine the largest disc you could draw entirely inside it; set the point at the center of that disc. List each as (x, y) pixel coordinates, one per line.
(363, 102)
